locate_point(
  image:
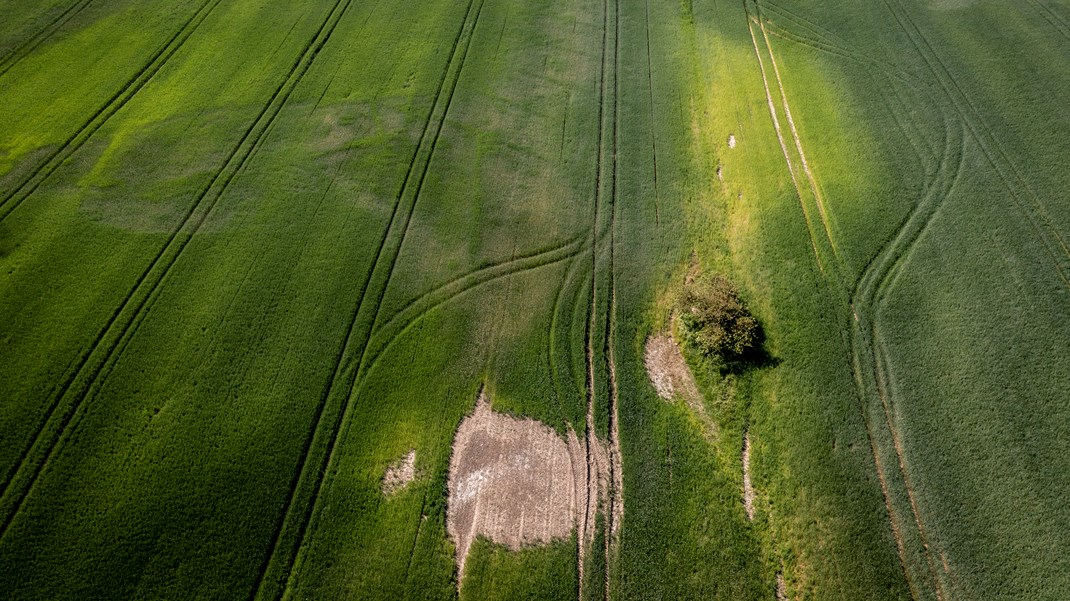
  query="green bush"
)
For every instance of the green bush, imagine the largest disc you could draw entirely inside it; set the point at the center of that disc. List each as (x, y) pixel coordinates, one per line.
(716, 322)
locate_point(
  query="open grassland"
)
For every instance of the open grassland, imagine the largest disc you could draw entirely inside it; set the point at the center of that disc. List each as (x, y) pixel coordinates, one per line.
(259, 259)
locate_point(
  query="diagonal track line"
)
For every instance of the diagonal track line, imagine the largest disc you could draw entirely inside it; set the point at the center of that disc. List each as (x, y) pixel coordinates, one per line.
(83, 383)
(288, 539)
(33, 180)
(23, 50)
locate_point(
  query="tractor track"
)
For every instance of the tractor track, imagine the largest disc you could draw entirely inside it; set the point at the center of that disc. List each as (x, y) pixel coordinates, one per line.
(863, 354)
(650, 99)
(85, 379)
(574, 263)
(394, 327)
(39, 174)
(871, 372)
(30, 44)
(823, 40)
(988, 143)
(818, 248)
(602, 283)
(277, 568)
(1057, 22)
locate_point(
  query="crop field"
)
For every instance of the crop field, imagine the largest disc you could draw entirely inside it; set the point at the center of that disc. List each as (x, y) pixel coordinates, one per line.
(366, 299)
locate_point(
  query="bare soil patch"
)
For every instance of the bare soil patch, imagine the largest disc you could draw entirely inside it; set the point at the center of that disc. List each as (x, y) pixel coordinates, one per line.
(748, 488)
(672, 378)
(668, 370)
(513, 481)
(731, 140)
(399, 474)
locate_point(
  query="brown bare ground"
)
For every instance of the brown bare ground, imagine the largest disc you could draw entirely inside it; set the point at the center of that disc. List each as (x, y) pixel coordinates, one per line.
(667, 369)
(672, 378)
(748, 488)
(513, 481)
(399, 473)
(781, 587)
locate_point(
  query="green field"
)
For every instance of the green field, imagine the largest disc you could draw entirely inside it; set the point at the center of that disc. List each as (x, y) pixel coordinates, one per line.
(254, 252)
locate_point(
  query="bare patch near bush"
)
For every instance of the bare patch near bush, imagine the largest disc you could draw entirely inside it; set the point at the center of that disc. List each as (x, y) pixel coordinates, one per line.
(672, 378)
(667, 369)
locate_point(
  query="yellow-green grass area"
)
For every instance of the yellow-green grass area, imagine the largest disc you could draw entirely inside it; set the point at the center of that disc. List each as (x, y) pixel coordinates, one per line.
(910, 441)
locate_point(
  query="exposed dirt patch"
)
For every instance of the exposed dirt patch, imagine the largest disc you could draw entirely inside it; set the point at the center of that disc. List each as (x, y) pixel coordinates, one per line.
(513, 481)
(668, 371)
(672, 378)
(748, 488)
(399, 474)
(781, 587)
(731, 140)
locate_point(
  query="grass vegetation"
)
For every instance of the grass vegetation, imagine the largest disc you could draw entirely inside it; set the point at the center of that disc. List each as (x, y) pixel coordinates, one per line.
(253, 252)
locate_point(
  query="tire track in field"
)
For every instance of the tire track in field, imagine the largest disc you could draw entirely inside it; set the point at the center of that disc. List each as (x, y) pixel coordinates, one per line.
(1005, 168)
(1057, 22)
(871, 363)
(603, 468)
(84, 382)
(290, 532)
(870, 378)
(392, 329)
(586, 527)
(615, 510)
(653, 135)
(812, 185)
(875, 271)
(24, 49)
(933, 155)
(822, 40)
(827, 258)
(154, 64)
(37, 175)
(569, 276)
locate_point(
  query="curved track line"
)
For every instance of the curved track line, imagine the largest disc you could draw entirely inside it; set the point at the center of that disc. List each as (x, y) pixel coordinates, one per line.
(402, 323)
(857, 362)
(138, 299)
(870, 376)
(28, 184)
(392, 329)
(1046, 231)
(566, 284)
(277, 569)
(23, 50)
(824, 40)
(874, 72)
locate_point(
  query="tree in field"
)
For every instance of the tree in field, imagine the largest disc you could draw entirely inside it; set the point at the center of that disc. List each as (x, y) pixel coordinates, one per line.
(715, 321)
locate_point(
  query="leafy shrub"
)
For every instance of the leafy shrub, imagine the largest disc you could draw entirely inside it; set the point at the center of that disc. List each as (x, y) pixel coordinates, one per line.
(716, 322)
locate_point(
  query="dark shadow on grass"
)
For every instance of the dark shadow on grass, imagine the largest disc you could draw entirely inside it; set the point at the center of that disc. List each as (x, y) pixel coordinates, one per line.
(755, 358)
